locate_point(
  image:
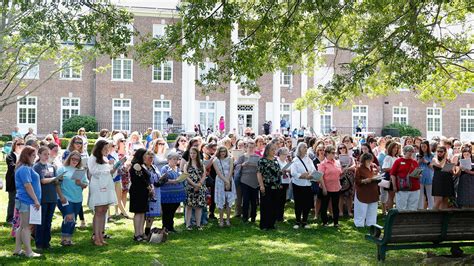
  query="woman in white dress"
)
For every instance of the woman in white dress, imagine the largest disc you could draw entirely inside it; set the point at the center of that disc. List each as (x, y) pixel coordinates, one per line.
(225, 193)
(101, 188)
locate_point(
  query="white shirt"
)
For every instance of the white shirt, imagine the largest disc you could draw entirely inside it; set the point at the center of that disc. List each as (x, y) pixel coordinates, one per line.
(297, 168)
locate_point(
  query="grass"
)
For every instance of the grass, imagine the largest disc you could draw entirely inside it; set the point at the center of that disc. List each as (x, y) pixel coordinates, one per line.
(242, 244)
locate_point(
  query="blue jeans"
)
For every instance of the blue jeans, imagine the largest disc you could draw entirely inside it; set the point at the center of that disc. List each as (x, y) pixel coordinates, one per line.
(43, 231)
(68, 226)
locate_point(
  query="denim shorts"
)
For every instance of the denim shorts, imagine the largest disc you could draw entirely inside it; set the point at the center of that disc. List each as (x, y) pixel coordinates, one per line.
(21, 206)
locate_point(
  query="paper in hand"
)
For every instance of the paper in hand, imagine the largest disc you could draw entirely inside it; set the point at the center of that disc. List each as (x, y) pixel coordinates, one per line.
(465, 164)
(35, 215)
(182, 177)
(448, 167)
(316, 176)
(78, 174)
(287, 166)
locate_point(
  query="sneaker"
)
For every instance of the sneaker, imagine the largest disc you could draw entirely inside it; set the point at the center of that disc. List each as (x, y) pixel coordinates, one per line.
(227, 222)
(336, 225)
(33, 255)
(83, 225)
(296, 226)
(189, 228)
(306, 226)
(199, 228)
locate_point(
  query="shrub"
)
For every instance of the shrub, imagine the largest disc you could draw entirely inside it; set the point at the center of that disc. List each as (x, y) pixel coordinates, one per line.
(69, 135)
(405, 130)
(64, 142)
(172, 136)
(6, 138)
(74, 123)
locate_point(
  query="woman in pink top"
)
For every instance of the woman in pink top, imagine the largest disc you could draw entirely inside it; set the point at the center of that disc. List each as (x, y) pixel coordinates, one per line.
(222, 125)
(331, 169)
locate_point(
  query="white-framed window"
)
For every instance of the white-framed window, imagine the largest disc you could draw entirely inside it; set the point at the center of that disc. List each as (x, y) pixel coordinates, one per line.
(71, 71)
(286, 77)
(161, 112)
(121, 113)
(433, 122)
(28, 70)
(467, 124)
(400, 115)
(326, 120)
(163, 72)
(122, 69)
(207, 114)
(360, 117)
(202, 71)
(27, 113)
(159, 30)
(69, 107)
(285, 113)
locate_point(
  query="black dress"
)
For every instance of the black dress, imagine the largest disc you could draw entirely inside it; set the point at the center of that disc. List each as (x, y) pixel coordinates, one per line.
(140, 179)
(466, 188)
(443, 183)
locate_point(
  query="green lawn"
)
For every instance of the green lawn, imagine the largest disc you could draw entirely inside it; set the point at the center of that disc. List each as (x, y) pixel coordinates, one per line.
(240, 244)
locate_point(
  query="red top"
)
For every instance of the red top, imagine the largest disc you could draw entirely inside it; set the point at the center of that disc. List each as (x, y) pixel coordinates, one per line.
(402, 168)
(332, 172)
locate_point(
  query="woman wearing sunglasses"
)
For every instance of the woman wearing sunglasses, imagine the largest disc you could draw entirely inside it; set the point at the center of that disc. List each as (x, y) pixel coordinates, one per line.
(77, 144)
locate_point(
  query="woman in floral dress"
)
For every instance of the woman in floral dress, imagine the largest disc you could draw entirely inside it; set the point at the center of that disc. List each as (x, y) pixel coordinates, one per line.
(195, 189)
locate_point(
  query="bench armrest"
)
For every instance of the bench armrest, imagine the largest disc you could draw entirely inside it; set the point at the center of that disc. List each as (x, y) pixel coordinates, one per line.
(375, 230)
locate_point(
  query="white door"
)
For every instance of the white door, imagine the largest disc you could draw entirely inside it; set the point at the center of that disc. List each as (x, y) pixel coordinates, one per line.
(467, 124)
(247, 113)
(27, 114)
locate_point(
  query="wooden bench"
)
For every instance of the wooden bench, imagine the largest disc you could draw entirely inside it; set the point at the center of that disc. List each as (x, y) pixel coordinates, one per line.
(423, 229)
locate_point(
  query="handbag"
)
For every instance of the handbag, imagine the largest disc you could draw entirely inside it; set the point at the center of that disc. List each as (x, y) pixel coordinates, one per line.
(158, 235)
(314, 185)
(404, 183)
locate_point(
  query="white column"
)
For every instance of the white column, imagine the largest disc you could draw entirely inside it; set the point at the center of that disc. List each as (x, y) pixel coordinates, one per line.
(233, 88)
(304, 88)
(276, 100)
(188, 97)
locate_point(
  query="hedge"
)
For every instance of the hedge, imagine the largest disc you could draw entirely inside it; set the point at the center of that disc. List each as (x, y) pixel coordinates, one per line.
(405, 130)
(89, 135)
(74, 123)
(172, 136)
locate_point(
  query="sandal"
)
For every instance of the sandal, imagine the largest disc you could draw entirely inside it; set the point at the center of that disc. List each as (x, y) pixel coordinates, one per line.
(138, 238)
(20, 253)
(66, 243)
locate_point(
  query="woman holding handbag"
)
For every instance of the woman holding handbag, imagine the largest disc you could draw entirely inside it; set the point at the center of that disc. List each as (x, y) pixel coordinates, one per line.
(406, 187)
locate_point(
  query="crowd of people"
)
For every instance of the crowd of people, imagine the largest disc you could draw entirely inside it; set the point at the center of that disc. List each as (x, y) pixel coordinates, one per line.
(327, 177)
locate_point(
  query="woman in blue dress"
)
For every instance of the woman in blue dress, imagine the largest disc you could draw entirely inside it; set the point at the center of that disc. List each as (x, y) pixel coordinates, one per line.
(424, 159)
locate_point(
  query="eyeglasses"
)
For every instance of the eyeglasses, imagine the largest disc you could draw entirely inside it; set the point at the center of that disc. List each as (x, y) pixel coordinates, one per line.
(440, 151)
(48, 139)
(78, 142)
(182, 140)
(333, 152)
(75, 159)
(20, 144)
(161, 144)
(340, 148)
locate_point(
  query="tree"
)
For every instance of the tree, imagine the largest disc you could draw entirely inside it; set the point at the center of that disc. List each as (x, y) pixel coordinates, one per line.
(65, 33)
(426, 46)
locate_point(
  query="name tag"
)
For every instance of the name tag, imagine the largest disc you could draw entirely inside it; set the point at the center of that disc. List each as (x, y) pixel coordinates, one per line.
(402, 163)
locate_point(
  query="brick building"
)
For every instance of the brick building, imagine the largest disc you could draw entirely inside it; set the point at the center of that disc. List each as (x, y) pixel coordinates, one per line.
(131, 97)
